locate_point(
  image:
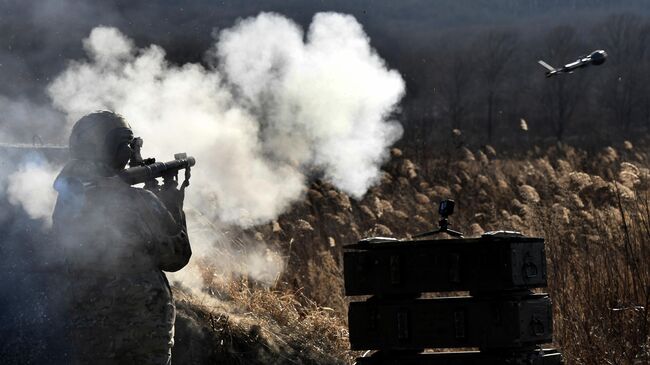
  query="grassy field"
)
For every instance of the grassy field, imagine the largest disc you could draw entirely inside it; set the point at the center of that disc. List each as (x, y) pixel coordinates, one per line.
(593, 209)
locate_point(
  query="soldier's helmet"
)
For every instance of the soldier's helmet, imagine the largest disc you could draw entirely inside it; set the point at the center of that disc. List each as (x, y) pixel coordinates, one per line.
(103, 137)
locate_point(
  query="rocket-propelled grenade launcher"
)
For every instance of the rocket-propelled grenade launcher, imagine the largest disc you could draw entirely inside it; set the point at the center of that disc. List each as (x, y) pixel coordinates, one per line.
(144, 173)
(140, 170)
(595, 58)
(148, 170)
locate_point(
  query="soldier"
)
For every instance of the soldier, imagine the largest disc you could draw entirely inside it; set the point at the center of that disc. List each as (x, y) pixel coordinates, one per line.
(116, 241)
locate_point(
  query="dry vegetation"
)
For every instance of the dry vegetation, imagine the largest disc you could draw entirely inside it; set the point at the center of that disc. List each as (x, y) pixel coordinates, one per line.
(592, 208)
(256, 326)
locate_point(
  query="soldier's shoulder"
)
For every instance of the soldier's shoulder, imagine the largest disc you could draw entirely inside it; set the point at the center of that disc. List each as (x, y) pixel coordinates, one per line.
(148, 198)
(144, 193)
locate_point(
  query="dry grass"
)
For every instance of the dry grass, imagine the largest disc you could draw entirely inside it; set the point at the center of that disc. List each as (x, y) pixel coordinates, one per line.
(592, 208)
(239, 325)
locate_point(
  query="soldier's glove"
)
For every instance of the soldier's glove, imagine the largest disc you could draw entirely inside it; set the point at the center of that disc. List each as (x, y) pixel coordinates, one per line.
(172, 198)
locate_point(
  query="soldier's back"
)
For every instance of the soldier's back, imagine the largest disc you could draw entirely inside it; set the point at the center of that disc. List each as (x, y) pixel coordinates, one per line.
(120, 307)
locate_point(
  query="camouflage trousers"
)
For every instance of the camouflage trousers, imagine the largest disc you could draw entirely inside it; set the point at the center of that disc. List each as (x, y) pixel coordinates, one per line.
(124, 320)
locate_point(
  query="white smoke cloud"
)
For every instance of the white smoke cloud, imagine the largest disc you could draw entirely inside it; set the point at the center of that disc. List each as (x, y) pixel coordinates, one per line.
(220, 255)
(27, 178)
(30, 187)
(324, 101)
(273, 105)
(27, 121)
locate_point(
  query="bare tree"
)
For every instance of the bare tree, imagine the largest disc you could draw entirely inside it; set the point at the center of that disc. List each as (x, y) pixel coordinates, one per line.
(420, 108)
(495, 51)
(626, 38)
(455, 81)
(561, 95)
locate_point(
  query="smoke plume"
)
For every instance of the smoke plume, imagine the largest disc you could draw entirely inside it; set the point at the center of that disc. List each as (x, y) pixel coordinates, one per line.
(30, 188)
(273, 106)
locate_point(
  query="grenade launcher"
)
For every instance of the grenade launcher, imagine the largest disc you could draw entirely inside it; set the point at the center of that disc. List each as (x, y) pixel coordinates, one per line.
(147, 170)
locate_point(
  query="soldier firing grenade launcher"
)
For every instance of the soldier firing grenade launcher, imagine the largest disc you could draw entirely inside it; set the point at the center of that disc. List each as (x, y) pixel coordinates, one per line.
(148, 170)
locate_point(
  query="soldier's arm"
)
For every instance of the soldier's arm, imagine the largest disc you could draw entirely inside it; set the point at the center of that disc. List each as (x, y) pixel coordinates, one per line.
(170, 244)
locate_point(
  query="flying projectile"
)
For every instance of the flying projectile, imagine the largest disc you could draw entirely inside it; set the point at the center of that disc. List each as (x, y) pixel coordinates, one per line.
(595, 58)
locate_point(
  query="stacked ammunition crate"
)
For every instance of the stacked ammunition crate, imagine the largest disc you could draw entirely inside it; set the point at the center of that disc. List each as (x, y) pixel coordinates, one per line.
(500, 316)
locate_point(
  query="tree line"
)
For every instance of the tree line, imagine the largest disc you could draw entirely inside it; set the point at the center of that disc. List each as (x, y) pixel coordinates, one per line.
(484, 86)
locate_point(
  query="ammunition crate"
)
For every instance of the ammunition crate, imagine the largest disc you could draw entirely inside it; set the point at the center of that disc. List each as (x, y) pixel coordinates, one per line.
(534, 357)
(485, 264)
(484, 322)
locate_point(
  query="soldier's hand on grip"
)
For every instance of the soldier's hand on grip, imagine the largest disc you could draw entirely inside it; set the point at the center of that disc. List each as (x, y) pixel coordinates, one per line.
(171, 197)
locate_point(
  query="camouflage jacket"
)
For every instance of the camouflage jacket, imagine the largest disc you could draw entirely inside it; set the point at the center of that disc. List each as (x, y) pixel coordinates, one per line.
(115, 241)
